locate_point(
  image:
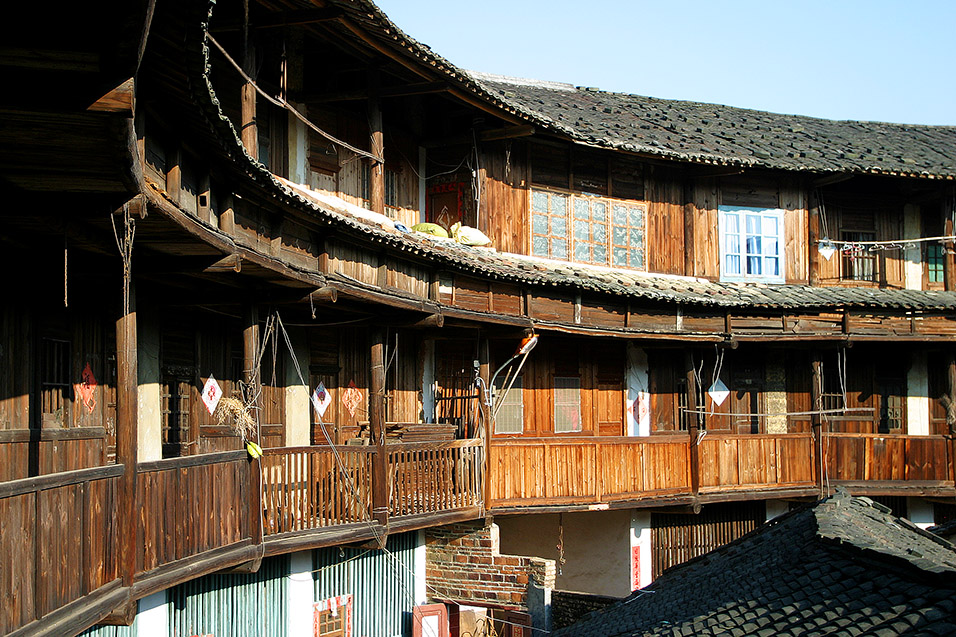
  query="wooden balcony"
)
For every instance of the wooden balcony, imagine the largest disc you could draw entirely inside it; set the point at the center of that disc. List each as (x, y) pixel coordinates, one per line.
(599, 472)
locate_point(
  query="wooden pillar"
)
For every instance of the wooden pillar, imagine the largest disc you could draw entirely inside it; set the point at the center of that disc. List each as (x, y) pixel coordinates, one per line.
(251, 377)
(694, 421)
(248, 125)
(127, 381)
(949, 265)
(813, 239)
(690, 211)
(484, 372)
(376, 186)
(816, 404)
(376, 417)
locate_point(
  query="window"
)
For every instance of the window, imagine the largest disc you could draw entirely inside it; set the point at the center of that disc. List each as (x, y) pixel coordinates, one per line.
(587, 229)
(857, 263)
(391, 188)
(934, 263)
(510, 416)
(750, 240)
(567, 404)
(55, 396)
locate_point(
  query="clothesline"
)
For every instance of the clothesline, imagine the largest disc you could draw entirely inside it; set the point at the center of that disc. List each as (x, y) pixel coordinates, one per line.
(820, 412)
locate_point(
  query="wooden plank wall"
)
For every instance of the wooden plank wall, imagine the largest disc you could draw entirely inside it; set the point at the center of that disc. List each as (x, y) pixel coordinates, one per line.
(339, 356)
(665, 220)
(505, 196)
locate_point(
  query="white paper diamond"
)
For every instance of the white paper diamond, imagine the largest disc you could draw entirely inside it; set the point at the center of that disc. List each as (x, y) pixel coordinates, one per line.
(211, 393)
(321, 399)
(718, 392)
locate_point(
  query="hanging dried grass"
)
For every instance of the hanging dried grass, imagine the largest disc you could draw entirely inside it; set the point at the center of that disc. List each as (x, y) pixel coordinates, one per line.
(233, 412)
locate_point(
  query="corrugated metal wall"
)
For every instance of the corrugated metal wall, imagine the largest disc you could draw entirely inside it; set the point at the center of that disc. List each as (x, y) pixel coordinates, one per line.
(112, 631)
(382, 585)
(676, 538)
(233, 605)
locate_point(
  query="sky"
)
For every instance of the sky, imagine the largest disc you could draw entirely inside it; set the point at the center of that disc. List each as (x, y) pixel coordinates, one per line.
(878, 60)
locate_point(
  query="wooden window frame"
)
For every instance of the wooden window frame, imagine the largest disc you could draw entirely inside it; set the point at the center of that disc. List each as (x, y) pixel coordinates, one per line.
(741, 239)
(514, 399)
(567, 224)
(849, 256)
(560, 404)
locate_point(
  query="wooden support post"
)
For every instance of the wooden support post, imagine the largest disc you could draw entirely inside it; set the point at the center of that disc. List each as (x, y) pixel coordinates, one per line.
(484, 372)
(949, 264)
(951, 409)
(249, 131)
(251, 377)
(694, 421)
(690, 210)
(127, 383)
(816, 404)
(813, 240)
(376, 186)
(376, 417)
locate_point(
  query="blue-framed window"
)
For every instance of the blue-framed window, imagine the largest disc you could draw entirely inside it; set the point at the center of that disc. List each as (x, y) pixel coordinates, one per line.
(751, 244)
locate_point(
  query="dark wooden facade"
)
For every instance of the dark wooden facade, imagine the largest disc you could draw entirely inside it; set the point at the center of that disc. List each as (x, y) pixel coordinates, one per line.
(248, 225)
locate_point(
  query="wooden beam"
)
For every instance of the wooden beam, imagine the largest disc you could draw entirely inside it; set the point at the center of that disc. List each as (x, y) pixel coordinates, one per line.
(813, 240)
(376, 416)
(816, 404)
(507, 132)
(402, 90)
(949, 264)
(690, 212)
(251, 376)
(693, 420)
(127, 383)
(248, 125)
(376, 187)
(487, 423)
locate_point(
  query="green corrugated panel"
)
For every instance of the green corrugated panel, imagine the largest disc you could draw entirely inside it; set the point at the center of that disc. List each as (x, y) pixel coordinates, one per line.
(382, 585)
(112, 631)
(247, 605)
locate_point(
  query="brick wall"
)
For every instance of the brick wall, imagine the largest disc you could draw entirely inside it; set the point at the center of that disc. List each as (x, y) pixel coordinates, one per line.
(568, 607)
(464, 564)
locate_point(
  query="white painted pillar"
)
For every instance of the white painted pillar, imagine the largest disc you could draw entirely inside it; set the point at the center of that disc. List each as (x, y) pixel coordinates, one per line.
(149, 409)
(776, 508)
(298, 415)
(428, 380)
(912, 255)
(152, 619)
(917, 395)
(301, 594)
(298, 148)
(920, 512)
(638, 392)
(641, 557)
(421, 584)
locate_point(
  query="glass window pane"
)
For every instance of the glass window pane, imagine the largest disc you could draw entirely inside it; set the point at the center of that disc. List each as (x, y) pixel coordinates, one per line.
(600, 253)
(637, 237)
(567, 404)
(733, 264)
(753, 265)
(770, 225)
(772, 266)
(619, 256)
(599, 233)
(599, 211)
(581, 208)
(619, 235)
(619, 215)
(753, 224)
(559, 226)
(539, 224)
(733, 244)
(753, 245)
(637, 258)
(539, 201)
(559, 205)
(559, 248)
(582, 251)
(539, 246)
(770, 246)
(581, 230)
(637, 217)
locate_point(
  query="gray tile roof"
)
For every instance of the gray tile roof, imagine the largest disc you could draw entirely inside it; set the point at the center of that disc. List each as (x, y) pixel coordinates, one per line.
(711, 133)
(843, 566)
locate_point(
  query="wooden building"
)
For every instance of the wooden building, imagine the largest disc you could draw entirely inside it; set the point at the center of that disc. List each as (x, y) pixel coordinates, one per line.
(688, 315)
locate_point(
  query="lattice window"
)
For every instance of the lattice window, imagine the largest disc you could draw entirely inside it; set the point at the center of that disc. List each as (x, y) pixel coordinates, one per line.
(549, 224)
(858, 264)
(590, 230)
(934, 263)
(175, 423)
(510, 417)
(567, 404)
(627, 236)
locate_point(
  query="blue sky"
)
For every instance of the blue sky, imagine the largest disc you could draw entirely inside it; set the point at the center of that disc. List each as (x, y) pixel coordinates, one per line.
(840, 59)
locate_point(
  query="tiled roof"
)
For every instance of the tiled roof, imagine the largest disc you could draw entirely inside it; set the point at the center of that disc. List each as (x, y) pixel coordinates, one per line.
(844, 566)
(711, 133)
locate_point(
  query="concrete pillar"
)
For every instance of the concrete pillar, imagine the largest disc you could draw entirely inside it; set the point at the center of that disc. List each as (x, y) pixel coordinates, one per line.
(641, 557)
(298, 413)
(152, 619)
(912, 255)
(920, 512)
(917, 395)
(638, 392)
(301, 594)
(776, 508)
(149, 410)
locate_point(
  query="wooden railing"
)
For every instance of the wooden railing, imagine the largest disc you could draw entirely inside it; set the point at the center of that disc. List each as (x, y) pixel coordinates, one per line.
(853, 457)
(429, 477)
(315, 487)
(756, 461)
(62, 527)
(534, 471)
(191, 505)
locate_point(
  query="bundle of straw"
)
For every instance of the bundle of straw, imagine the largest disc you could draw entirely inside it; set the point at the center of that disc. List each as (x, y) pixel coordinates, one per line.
(233, 412)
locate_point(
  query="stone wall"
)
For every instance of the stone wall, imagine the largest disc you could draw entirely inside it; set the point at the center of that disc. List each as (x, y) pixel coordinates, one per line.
(568, 607)
(464, 565)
